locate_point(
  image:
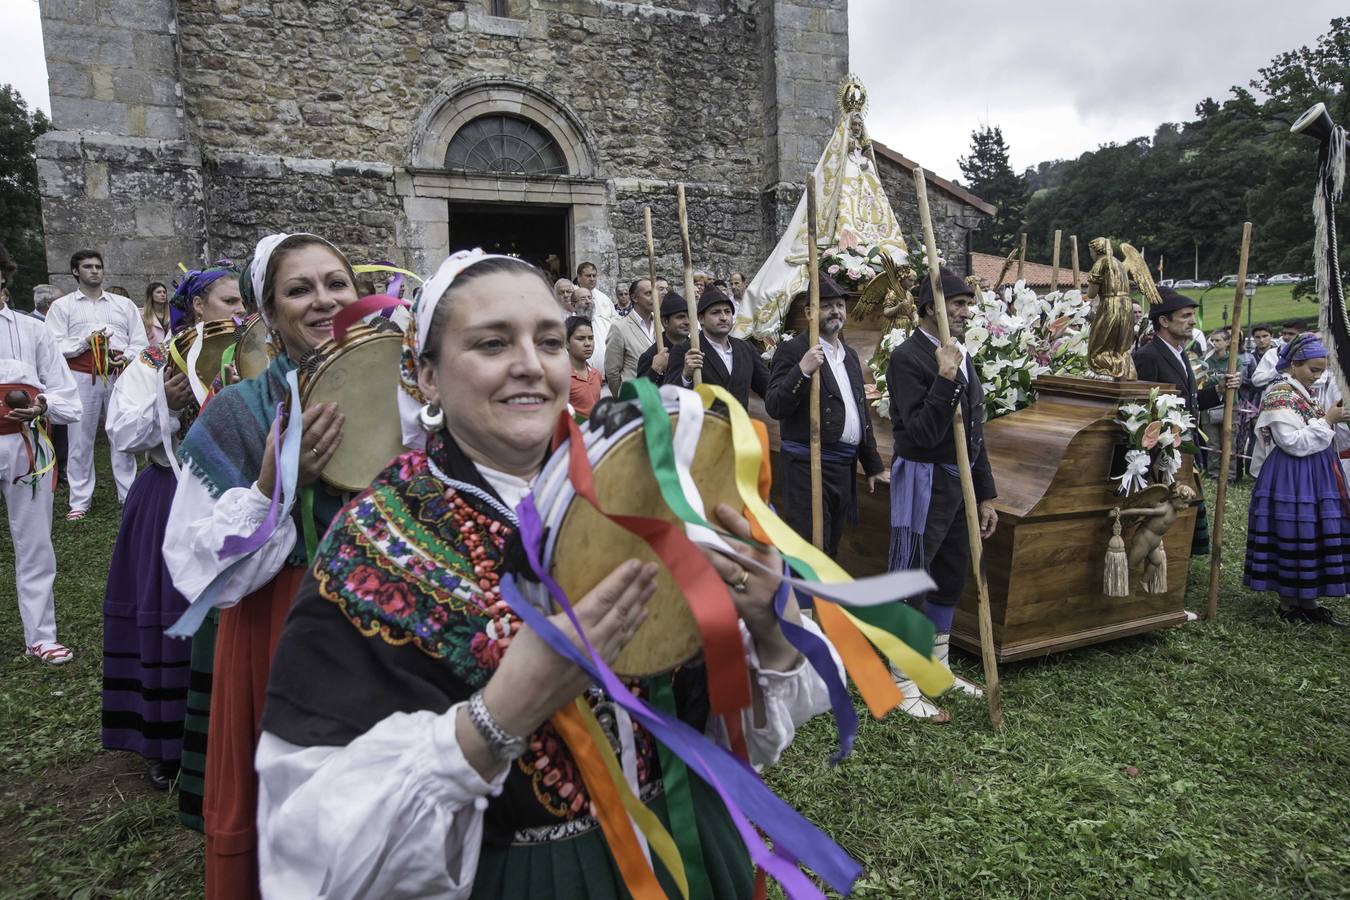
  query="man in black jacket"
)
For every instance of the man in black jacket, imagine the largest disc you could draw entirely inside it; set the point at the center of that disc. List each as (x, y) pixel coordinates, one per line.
(1163, 359)
(726, 361)
(927, 384)
(675, 326)
(845, 424)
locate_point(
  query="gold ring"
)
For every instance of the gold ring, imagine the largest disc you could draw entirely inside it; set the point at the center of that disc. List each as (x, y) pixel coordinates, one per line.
(315, 451)
(739, 585)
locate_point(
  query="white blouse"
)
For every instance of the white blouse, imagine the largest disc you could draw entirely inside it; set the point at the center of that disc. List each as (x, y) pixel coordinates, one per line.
(1289, 432)
(74, 317)
(29, 355)
(139, 418)
(398, 812)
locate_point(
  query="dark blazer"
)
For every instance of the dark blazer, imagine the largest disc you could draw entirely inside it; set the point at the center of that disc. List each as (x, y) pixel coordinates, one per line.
(1155, 361)
(748, 372)
(788, 401)
(644, 365)
(922, 405)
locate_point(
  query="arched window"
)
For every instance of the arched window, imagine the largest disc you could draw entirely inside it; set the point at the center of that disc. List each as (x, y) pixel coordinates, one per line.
(505, 144)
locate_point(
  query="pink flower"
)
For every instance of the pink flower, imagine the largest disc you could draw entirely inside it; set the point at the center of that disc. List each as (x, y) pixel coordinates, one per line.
(1151, 434)
(833, 270)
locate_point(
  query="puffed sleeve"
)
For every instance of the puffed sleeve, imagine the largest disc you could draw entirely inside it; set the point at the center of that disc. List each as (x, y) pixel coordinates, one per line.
(58, 323)
(58, 385)
(1311, 438)
(789, 699)
(197, 528)
(398, 812)
(138, 414)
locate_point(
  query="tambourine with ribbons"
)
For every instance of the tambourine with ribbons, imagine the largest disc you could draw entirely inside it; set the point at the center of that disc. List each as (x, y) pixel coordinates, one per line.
(37, 442)
(203, 352)
(638, 483)
(253, 350)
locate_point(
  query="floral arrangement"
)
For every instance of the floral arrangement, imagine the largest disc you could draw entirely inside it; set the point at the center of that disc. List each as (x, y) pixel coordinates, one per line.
(852, 264)
(1014, 337)
(1156, 433)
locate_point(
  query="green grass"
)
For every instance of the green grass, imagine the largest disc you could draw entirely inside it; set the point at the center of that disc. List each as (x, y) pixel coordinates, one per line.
(1211, 760)
(1272, 305)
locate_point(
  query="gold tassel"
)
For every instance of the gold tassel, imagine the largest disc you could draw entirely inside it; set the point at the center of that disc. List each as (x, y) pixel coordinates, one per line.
(1117, 580)
(1155, 572)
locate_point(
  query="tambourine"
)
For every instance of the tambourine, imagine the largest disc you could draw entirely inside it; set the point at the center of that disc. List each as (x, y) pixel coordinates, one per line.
(582, 547)
(216, 339)
(253, 352)
(360, 375)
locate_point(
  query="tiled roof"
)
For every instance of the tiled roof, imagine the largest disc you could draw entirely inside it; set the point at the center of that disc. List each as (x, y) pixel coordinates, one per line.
(1037, 275)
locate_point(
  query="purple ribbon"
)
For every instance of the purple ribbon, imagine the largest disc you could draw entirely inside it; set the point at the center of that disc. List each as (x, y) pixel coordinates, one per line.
(234, 545)
(817, 653)
(733, 780)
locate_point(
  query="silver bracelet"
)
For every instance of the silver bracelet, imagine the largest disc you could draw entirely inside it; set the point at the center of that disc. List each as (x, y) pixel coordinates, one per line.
(504, 747)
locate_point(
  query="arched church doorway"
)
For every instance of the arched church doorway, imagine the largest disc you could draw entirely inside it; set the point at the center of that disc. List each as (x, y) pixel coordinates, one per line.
(501, 164)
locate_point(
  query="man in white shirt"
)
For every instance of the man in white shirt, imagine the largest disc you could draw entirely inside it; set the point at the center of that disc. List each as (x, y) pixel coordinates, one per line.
(33, 369)
(583, 304)
(629, 337)
(73, 320)
(588, 277)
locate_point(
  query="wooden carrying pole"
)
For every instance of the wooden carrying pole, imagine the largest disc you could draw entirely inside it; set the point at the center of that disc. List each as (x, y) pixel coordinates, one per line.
(1226, 456)
(1021, 254)
(991, 686)
(1073, 259)
(651, 274)
(689, 297)
(1054, 269)
(813, 340)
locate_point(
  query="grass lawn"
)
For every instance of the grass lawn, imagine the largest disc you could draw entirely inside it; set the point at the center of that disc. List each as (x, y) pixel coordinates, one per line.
(1273, 304)
(1207, 761)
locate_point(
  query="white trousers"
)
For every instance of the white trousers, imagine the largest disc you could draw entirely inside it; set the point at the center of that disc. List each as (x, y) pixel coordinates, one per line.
(30, 528)
(94, 395)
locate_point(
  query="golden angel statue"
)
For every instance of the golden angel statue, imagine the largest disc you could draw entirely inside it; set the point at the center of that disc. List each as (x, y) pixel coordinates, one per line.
(1111, 333)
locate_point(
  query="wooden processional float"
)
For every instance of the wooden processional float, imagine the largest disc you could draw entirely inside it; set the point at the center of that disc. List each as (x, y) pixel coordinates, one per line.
(1053, 462)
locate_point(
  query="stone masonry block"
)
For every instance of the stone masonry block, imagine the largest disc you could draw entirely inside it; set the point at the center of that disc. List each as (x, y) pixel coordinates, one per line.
(155, 220)
(86, 44)
(140, 15)
(66, 80)
(90, 115)
(60, 178)
(163, 122)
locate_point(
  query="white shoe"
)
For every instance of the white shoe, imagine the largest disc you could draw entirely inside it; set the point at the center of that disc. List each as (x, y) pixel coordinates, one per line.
(915, 704)
(968, 688)
(51, 653)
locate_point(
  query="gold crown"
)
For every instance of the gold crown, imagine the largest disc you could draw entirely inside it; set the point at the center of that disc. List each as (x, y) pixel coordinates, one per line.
(852, 94)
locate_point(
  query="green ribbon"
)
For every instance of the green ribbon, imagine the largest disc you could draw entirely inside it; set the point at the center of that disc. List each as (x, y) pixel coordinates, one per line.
(307, 521)
(679, 798)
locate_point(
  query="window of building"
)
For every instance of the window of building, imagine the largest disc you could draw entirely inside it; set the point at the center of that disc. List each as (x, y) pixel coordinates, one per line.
(505, 144)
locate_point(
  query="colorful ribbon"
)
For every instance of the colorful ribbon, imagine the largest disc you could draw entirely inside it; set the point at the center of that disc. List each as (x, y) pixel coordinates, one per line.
(98, 347)
(350, 315)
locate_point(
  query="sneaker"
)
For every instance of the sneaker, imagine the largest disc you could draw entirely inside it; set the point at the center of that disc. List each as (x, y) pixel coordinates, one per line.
(1321, 615)
(51, 652)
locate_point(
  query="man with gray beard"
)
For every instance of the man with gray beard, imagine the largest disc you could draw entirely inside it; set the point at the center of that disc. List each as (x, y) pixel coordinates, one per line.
(845, 424)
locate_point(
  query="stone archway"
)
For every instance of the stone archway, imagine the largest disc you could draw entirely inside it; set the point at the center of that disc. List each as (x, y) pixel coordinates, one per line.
(428, 187)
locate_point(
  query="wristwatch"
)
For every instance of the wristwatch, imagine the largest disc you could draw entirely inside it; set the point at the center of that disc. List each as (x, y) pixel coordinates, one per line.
(504, 747)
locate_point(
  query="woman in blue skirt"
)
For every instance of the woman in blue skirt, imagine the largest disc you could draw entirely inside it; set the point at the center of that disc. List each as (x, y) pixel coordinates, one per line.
(1298, 526)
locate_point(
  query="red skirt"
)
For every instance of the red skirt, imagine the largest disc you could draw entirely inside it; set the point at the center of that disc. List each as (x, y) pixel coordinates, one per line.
(245, 644)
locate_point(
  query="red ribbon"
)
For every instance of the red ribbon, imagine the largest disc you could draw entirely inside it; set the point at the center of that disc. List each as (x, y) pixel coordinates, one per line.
(350, 315)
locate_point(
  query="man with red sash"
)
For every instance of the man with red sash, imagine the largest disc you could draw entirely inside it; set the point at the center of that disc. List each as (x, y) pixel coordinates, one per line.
(98, 333)
(35, 388)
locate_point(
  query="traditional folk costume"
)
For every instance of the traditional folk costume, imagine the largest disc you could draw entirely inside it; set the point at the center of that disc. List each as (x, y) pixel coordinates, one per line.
(72, 320)
(217, 499)
(364, 788)
(671, 304)
(928, 525)
(1160, 361)
(1298, 523)
(845, 431)
(736, 367)
(30, 362)
(146, 674)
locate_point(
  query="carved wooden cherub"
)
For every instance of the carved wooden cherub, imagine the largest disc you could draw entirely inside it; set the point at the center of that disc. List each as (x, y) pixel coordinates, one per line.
(1146, 545)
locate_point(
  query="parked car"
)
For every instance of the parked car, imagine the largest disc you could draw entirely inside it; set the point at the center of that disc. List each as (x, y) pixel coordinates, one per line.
(1204, 284)
(1183, 284)
(1167, 282)
(1285, 278)
(1231, 280)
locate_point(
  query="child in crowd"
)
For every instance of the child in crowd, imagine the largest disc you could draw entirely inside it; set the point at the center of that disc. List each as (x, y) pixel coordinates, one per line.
(586, 379)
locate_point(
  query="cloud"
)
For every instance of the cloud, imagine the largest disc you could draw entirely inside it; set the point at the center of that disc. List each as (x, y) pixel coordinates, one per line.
(1059, 78)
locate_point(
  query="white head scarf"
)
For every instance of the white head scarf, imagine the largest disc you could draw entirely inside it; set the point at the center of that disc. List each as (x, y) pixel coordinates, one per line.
(262, 255)
(410, 399)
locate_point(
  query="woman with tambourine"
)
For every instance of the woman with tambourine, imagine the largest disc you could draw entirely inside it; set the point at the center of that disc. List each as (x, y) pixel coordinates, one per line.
(145, 673)
(234, 525)
(407, 747)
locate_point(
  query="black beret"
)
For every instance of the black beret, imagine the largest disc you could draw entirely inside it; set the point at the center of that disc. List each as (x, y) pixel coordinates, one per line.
(710, 297)
(829, 289)
(1172, 301)
(952, 286)
(672, 304)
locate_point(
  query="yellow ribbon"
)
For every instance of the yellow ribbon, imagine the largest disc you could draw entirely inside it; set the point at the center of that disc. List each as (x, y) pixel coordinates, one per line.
(928, 673)
(372, 267)
(658, 838)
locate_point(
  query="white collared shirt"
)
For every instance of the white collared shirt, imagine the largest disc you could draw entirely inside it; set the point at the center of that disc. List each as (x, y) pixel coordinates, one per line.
(852, 420)
(28, 355)
(725, 352)
(74, 317)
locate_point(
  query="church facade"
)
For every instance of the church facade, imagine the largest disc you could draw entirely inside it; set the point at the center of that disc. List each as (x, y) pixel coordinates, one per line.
(405, 129)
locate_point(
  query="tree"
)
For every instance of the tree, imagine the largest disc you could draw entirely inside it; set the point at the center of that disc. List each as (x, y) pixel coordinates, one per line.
(991, 178)
(20, 202)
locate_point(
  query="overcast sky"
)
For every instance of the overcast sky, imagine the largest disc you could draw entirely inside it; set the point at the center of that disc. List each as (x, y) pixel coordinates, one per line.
(1059, 77)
